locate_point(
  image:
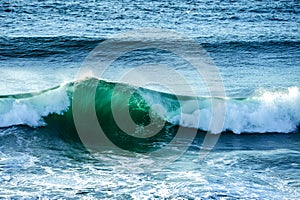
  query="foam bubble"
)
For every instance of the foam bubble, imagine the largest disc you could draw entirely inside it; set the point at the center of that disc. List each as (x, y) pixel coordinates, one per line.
(31, 110)
(265, 112)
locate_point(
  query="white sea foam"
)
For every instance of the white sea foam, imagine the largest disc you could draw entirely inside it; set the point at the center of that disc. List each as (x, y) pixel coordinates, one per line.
(31, 110)
(264, 112)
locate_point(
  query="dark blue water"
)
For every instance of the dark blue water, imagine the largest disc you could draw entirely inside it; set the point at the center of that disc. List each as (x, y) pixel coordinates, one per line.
(255, 45)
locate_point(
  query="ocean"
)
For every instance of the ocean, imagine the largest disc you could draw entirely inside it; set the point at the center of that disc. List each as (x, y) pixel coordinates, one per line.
(150, 99)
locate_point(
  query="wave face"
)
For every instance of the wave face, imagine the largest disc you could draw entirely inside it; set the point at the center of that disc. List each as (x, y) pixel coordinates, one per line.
(264, 112)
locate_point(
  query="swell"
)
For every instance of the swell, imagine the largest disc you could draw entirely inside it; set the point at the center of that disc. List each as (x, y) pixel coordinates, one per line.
(22, 47)
(263, 112)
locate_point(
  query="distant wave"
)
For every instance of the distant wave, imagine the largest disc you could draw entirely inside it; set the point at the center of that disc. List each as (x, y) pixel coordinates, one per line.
(22, 47)
(264, 112)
